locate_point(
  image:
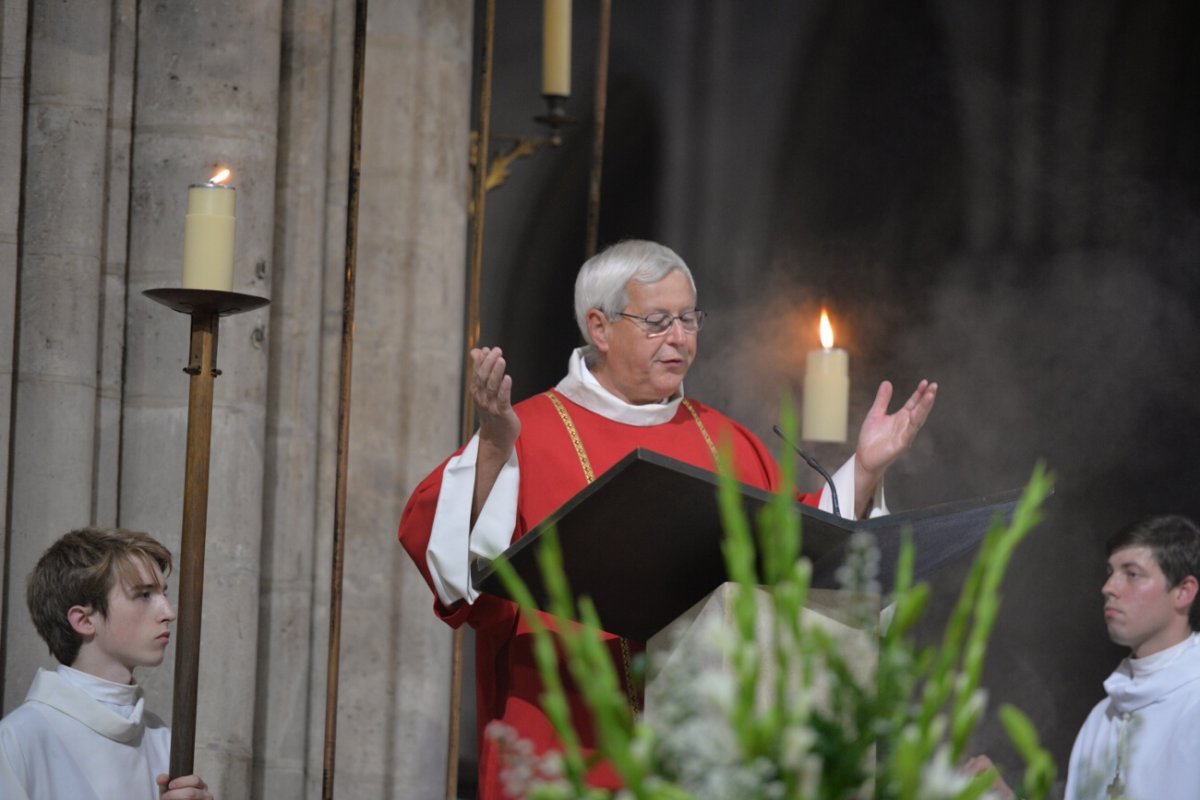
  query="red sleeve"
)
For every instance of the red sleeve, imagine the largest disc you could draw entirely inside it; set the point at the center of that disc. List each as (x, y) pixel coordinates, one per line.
(416, 526)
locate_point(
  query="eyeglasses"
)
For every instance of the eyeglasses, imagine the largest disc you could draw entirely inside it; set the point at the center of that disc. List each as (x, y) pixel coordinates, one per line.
(660, 322)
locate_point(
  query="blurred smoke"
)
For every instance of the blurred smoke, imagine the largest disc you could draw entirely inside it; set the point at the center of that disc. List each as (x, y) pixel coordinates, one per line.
(1086, 360)
(1074, 364)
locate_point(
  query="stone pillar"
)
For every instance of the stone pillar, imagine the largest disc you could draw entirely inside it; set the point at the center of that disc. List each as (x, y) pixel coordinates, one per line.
(291, 488)
(407, 363)
(107, 476)
(338, 168)
(13, 25)
(63, 222)
(207, 94)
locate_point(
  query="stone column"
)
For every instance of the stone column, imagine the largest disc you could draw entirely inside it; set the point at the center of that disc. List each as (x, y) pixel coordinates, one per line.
(207, 94)
(63, 222)
(13, 25)
(337, 177)
(407, 361)
(107, 477)
(291, 497)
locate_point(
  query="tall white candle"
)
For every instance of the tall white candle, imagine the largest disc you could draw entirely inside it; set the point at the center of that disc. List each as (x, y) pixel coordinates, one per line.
(556, 47)
(826, 389)
(208, 237)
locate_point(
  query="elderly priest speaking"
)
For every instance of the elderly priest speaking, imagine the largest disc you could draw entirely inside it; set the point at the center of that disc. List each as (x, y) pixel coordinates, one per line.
(636, 307)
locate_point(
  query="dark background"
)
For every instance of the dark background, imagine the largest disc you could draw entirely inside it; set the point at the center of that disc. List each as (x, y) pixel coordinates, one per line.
(1003, 197)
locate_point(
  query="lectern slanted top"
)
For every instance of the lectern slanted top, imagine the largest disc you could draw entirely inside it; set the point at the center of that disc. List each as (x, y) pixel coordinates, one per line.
(644, 541)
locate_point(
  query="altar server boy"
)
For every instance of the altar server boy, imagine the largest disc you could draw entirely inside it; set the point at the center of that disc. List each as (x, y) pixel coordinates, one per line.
(98, 598)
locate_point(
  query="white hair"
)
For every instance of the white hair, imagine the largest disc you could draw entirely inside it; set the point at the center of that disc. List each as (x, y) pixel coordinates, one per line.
(603, 277)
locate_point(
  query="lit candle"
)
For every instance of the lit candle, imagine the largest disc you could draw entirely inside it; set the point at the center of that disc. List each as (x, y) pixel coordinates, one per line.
(556, 47)
(826, 389)
(208, 235)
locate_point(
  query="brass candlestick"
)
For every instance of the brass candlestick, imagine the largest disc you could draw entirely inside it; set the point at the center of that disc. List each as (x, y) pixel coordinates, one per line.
(205, 307)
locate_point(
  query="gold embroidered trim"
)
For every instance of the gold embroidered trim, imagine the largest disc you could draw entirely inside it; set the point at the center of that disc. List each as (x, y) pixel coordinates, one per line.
(575, 440)
(703, 431)
(590, 476)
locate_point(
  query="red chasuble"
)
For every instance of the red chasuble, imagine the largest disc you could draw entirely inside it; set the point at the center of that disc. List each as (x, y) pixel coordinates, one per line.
(552, 472)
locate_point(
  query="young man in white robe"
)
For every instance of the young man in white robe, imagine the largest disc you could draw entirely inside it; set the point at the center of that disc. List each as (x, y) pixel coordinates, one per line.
(1142, 741)
(98, 598)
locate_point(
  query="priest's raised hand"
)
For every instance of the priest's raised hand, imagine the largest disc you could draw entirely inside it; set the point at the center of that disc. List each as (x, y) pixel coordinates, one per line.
(883, 437)
(499, 427)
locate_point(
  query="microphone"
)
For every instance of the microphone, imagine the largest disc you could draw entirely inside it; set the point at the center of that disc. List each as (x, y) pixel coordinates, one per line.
(812, 462)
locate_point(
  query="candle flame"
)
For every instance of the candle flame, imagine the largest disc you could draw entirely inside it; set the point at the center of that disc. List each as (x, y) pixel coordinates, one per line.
(219, 178)
(826, 330)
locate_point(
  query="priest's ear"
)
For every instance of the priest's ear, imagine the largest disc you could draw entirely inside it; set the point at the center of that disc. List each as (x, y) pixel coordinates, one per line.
(598, 326)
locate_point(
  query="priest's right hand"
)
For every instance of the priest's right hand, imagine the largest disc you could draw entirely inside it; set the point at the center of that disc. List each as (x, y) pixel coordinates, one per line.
(491, 389)
(499, 426)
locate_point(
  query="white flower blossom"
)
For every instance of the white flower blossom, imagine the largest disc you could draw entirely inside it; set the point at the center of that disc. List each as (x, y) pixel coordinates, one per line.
(942, 780)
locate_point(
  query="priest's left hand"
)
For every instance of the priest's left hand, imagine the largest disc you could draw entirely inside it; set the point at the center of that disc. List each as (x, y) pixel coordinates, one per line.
(883, 437)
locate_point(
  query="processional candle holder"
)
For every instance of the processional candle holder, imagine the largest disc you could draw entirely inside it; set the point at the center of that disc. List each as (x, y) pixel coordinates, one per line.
(205, 307)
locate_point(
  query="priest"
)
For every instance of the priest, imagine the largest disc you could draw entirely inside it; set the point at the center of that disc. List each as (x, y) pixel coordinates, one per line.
(635, 304)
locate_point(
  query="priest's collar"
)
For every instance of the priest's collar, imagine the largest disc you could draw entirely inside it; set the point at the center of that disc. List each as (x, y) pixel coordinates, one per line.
(580, 386)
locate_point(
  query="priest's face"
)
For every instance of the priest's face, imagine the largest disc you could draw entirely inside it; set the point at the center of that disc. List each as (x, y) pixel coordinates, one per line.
(635, 366)
(1141, 611)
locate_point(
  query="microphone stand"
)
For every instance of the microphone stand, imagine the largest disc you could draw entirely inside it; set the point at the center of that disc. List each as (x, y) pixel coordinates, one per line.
(812, 462)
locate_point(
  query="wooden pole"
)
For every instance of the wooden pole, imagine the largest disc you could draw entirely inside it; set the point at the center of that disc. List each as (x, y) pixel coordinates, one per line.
(479, 203)
(202, 366)
(343, 436)
(600, 110)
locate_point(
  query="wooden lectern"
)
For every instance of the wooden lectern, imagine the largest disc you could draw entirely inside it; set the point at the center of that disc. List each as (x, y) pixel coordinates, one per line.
(644, 542)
